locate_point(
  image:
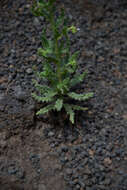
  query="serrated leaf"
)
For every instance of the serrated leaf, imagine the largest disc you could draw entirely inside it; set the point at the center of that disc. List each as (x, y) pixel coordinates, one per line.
(69, 111)
(63, 86)
(47, 97)
(45, 109)
(40, 9)
(80, 96)
(44, 52)
(45, 41)
(72, 63)
(73, 57)
(78, 108)
(77, 79)
(59, 104)
(73, 29)
(41, 88)
(60, 19)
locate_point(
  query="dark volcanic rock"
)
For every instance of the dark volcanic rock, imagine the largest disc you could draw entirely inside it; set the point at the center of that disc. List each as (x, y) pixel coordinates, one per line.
(92, 154)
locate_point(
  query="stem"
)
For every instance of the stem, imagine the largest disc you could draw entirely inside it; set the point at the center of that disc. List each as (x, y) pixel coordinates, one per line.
(58, 64)
(52, 20)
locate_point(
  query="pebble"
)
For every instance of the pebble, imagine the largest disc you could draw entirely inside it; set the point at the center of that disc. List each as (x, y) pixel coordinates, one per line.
(64, 148)
(51, 134)
(29, 71)
(19, 93)
(69, 171)
(36, 22)
(107, 181)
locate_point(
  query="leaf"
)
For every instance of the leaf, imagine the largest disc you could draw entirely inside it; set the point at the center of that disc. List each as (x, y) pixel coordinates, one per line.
(73, 29)
(63, 86)
(45, 109)
(77, 78)
(47, 54)
(60, 19)
(48, 71)
(73, 58)
(51, 58)
(41, 88)
(80, 96)
(59, 104)
(40, 9)
(47, 97)
(72, 63)
(69, 111)
(45, 41)
(78, 108)
(64, 31)
(44, 52)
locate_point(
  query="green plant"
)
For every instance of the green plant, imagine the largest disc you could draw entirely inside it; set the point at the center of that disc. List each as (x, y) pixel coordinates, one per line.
(59, 72)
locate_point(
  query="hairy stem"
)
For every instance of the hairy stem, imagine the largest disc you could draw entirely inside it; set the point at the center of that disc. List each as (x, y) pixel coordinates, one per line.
(56, 42)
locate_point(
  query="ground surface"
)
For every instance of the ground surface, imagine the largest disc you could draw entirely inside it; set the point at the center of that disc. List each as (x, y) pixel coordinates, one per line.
(93, 154)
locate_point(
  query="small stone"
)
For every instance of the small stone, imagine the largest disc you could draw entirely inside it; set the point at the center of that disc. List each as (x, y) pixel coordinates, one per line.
(107, 161)
(51, 134)
(3, 87)
(82, 183)
(120, 172)
(41, 18)
(64, 160)
(64, 148)
(117, 82)
(28, 6)
(3, 79)
(91, 153)
(57, 167)
(52, 145)
(29, 71)
(39, 170)
(36, 22)
(77, 187)
(19, 93)
(107, 181)
(20, 174)
(12, 170)
(87, 171)
(69, 171)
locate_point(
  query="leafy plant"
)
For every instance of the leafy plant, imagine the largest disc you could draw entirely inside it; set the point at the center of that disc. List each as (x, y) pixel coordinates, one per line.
(59, 73)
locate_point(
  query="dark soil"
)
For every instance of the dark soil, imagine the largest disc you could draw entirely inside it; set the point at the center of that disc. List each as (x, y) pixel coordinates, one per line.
(91, 155)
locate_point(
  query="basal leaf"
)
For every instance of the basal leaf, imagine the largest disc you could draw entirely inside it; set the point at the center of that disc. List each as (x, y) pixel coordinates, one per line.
(78, 108)
(70, 112)
(45, 109)
(47, 97)
(59, 104)
(41, 88)
(77, 78)
(80, 96)
(45, 41)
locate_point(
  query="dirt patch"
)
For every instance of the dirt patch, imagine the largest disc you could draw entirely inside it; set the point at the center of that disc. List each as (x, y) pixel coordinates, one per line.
(28, 161)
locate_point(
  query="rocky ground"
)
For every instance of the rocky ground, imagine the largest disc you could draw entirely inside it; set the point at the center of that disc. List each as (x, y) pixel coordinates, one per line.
(92, 155)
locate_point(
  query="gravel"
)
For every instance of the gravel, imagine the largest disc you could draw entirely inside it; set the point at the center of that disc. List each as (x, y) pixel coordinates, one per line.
(92, 154)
